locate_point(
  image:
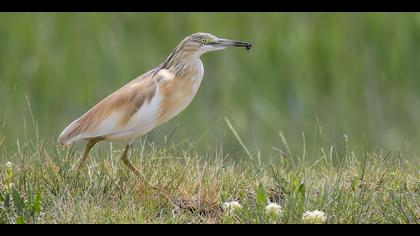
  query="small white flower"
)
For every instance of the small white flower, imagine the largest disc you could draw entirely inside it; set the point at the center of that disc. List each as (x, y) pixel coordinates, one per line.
(314, 217)
(231, 206)
(9, 165)
(273, 209)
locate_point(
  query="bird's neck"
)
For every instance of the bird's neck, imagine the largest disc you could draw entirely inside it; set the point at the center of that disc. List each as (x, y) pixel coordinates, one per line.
(181, 56)
(181, 63)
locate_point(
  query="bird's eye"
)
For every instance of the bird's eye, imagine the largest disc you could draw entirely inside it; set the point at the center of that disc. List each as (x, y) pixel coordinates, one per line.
(204, 40)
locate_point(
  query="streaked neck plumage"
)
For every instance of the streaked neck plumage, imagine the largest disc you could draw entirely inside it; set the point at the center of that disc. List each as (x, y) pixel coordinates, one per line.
(181, 57)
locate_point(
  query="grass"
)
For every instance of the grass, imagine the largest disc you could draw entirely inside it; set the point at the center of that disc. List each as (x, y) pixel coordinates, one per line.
(336, 68)
(186, 186)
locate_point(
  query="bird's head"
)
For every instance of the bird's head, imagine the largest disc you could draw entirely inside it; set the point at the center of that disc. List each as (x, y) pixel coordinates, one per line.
(197, 44)
(204, 42)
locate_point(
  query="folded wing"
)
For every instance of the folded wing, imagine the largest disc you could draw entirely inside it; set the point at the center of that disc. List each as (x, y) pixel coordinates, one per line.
(130, 110)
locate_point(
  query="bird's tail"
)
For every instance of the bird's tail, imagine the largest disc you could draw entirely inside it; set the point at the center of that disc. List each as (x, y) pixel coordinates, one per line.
(70, 134)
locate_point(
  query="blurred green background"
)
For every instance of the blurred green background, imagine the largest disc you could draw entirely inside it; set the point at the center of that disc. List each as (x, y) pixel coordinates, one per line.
(351, 73)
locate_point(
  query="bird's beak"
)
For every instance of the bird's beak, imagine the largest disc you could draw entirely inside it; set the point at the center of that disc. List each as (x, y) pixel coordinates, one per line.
(233, 43)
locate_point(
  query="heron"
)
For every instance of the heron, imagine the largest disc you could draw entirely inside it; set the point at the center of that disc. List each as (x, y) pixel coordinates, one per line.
(148, 101)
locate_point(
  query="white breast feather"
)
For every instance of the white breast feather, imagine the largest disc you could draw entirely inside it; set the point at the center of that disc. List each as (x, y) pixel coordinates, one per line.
(199, 75)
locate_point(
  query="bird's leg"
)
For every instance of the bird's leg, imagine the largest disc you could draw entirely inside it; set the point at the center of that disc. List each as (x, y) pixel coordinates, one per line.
(128, 163)
(88, 147)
